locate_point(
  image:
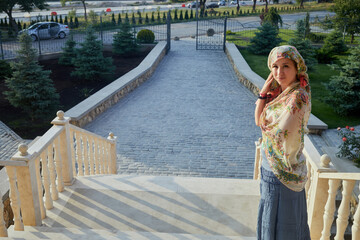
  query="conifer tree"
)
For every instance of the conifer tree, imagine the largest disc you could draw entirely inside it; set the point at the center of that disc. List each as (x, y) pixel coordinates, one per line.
(5, 23)
(76, 24)
(345, 88)
(164, 17)
(30, 87)
(152, 17)
(133, 20)
(90, 64)
(127, 18)
(303, 45)
(56, 19)
(140, 18)
(24, 26)
(68, 55)
(52, 18)
(181, 15)
(191, 14)
(175, 14)
(113, 21)
(307, 25)
(124, 41)
(71, 23)
(119, 19)
(158, 17)
(19, 25)
(186, 15)
(1, 22)
(146, 18)
(47, 18)
(265, 40)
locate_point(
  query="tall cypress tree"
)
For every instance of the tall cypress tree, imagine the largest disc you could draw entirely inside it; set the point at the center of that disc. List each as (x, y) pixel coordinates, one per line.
(90, 63)
(119, 19)
(30, 87)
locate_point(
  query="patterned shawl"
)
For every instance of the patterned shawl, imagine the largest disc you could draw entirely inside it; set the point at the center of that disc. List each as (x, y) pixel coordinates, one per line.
(283, 123)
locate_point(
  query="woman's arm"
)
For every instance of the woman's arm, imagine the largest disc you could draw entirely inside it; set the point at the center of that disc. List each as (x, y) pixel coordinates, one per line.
(260, 103)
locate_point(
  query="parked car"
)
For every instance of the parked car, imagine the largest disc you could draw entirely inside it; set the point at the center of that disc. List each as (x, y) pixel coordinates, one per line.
(212, 5)
(46, 30)
(240, 3)
(222, 3)
(193, 5)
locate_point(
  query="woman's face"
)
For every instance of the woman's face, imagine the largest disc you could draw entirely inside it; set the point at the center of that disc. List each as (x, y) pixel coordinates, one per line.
(284, 72)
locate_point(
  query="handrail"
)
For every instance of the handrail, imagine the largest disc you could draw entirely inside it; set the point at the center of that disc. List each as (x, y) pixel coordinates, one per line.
(55, 153)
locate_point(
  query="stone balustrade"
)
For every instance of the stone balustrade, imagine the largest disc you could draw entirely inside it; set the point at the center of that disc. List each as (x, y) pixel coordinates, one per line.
(324, 183)
(38, 173)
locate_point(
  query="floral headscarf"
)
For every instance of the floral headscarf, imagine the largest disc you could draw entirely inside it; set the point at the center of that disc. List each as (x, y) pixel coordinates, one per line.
(283, 123)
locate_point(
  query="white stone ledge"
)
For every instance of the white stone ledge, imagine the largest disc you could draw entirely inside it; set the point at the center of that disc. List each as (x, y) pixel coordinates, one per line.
(85, 111)
(254, 82)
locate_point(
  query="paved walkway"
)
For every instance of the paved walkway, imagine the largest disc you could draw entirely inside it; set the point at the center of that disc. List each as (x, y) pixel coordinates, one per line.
(191, 118)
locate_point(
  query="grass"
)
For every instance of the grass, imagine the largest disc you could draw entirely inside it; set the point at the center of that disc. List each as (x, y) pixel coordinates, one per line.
(320, 74)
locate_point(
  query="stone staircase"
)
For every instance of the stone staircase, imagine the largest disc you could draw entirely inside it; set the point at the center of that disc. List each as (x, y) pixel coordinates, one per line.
(149, 207)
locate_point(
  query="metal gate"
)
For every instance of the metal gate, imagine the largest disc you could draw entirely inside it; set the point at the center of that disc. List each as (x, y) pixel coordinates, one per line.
(210, 33)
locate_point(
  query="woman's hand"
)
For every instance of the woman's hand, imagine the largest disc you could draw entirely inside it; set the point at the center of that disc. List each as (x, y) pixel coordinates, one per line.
(266, 88)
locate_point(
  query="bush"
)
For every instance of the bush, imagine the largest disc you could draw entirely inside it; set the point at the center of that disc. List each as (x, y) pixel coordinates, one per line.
(350, 147)
(124, 41)
(334, 43)
(345, 88)
(229, 32)
(145, 36)
(265, 40)
(69, 53)
(316, 37)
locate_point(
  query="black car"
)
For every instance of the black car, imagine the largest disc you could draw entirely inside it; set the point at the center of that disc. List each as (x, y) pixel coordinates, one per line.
(212, 5)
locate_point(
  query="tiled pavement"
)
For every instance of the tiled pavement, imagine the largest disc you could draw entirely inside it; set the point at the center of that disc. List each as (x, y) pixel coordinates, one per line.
(191, 118)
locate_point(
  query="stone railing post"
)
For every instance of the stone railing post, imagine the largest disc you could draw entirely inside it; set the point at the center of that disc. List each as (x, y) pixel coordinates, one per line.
(65, 148)
(317, 199)
(113, 156)
(258, 160)
(28, 187)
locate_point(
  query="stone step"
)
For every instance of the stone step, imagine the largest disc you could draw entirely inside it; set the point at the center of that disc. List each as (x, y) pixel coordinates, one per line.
(158, 204)
(35, 233)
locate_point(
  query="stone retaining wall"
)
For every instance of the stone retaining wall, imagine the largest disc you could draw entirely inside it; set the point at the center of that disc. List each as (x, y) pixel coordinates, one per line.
(87, 110)
(254, 82)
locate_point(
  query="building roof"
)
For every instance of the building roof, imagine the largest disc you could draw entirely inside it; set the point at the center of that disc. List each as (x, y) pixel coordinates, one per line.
(9, 142)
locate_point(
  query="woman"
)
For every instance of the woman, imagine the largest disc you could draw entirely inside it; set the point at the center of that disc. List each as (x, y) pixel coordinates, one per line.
(282, 112)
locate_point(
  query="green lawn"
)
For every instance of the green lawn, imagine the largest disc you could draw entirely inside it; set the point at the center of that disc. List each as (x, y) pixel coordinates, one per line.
(321, 73)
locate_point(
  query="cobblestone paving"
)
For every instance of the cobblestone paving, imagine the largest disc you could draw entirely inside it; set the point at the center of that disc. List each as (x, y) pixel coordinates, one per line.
(191, 118)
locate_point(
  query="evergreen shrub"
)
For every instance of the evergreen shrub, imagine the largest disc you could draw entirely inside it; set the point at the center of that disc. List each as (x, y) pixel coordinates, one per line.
(145, 36)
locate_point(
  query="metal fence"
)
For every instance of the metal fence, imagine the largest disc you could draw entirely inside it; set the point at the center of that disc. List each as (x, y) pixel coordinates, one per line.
(10, 46)
(243, 32)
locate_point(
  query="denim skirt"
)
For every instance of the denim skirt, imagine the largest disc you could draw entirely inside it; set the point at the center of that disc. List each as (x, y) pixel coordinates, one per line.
(282, 212)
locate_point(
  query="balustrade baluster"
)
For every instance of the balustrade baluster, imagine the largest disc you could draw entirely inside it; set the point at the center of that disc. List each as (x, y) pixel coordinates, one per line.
(40, 188)
(86, 148)
(107, 157)
(355, 230)
(60, 181)
(308, 182)
(15, 199)
(102, 157)
(91, 155)
(46, 179)
(54, 191)
(79, 154)
(310, 187)
(330, 208)
(97, 156)
(344, 209)
(3, 230)
(72, 144)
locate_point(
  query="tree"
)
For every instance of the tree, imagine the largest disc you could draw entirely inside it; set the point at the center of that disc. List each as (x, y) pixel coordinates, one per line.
(345, 88)
(7, 6)
(265, 40)
(90, 64)
(272, 17)
(307, 25)
(301, 3)
(254, 6)
(303, 45)
(69, 52)
(30, 87)
(124, 40)
(63, 2)
(347, 16)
